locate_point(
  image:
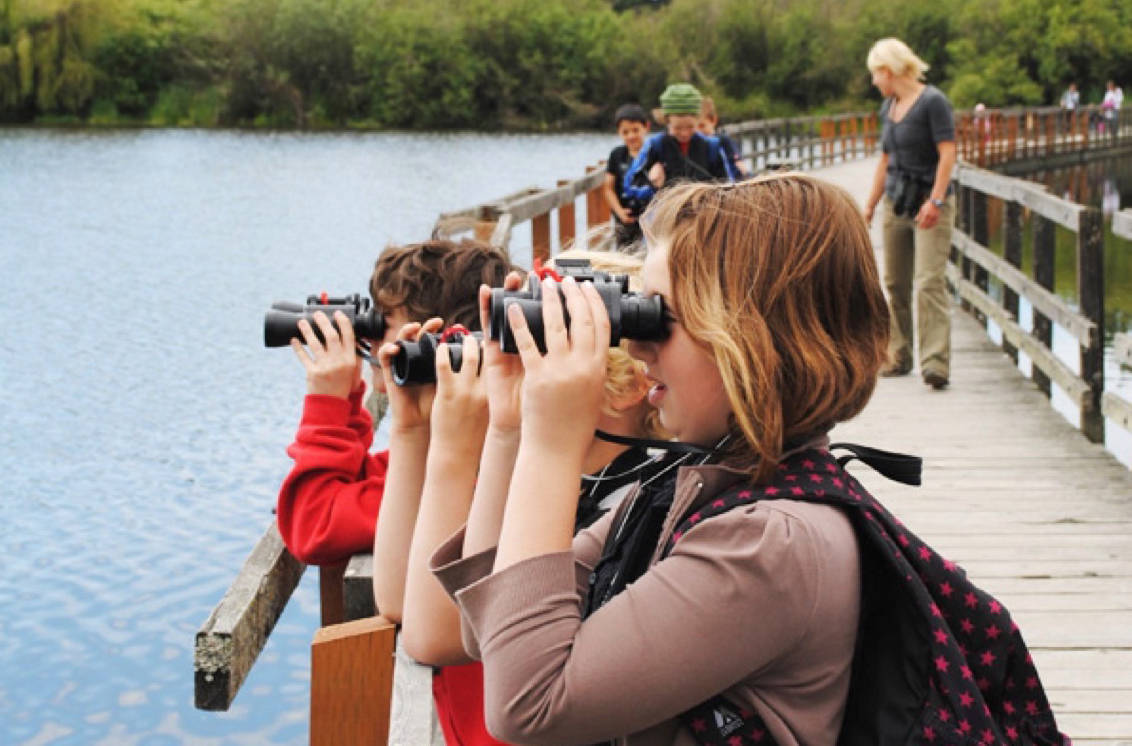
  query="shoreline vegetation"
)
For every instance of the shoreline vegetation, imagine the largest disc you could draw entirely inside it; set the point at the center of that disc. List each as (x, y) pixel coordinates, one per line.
(522, 65)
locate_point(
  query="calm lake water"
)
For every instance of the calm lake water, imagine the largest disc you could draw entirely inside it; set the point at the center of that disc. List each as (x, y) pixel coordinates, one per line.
(143, 424)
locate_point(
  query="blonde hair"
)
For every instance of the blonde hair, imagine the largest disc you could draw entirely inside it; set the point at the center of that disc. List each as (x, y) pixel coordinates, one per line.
(707, 109)
(776, 278)
(898, 57)
(623, 374)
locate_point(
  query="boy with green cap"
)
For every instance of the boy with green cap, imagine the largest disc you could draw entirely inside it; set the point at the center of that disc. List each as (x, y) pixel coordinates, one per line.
(680, 154)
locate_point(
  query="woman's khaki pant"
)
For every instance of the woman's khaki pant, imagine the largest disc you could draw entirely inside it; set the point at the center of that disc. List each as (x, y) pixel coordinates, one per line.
(916, 259)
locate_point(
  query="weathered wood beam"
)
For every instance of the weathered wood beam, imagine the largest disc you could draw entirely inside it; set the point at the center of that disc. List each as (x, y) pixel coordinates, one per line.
(1083, 330)
(1117, 409)
(357, 588)
(230, 640)
(1031, 195)
(1122, 224)
(1122, 348)
(1041, 356)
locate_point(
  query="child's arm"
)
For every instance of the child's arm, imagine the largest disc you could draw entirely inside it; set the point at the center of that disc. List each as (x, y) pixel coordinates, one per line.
(503, 376)
(327, 503)
(641, 164)
(610, 195)
(561, 402)
(409, 408)
(431, 627)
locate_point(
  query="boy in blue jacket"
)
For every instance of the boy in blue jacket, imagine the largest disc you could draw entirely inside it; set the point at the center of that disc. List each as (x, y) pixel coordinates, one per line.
(680, 154)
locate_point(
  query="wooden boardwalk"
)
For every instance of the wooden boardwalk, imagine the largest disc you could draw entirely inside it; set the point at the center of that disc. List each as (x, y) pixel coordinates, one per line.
(1036, 514)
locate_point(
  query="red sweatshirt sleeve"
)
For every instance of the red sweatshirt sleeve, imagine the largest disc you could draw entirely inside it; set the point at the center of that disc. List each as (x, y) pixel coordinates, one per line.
(329, 502)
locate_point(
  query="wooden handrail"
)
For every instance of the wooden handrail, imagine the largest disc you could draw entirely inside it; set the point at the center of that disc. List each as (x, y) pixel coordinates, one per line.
(232, 637)
(976, 263)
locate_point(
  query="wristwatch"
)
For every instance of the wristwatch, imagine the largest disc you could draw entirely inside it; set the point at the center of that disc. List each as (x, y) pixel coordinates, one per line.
(938, 203)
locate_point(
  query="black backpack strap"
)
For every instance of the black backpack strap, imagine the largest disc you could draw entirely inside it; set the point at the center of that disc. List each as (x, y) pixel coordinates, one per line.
(899, 467)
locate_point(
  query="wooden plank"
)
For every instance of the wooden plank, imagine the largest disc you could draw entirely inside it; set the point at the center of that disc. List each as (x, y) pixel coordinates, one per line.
(357, 588)
(1122, 348)
(501, 235)
(1117, 410)
(1049, 304)
(414, 721)
(230, 640)
(1076, 389)
(1032, 195)
(352, 683)
(1122, 224)
(330, 593)
(1044, 270)
(1090, 293)
(546, 200)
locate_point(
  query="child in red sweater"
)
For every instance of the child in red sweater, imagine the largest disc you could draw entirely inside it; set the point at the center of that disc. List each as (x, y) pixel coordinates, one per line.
(328, 504)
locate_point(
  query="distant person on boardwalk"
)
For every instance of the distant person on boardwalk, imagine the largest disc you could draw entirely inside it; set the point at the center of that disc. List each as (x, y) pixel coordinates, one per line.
(708, 125)
(680, 154)
(748, 590)
(1110, 106)
(632, 125)
(329, 503)
(1070, 102)
(914, 179)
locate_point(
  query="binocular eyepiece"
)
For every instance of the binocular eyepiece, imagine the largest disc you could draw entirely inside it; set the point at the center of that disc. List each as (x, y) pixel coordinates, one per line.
(281, 323)
(631, 315)
(415, 362)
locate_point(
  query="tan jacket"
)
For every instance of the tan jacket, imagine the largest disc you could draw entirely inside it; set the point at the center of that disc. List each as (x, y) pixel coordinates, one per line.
(760, 602)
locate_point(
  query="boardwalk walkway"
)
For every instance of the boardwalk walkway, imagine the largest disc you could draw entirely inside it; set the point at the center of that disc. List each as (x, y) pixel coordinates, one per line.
(1036, 514)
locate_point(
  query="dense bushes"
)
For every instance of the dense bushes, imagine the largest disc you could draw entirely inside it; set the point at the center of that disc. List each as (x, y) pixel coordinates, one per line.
(522, 64)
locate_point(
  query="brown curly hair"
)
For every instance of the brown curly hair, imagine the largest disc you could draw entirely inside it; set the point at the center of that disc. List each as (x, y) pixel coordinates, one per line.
(437, 278)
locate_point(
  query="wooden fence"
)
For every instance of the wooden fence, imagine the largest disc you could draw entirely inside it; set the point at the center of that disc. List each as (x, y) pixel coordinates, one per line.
(974, 265)
(495, 221)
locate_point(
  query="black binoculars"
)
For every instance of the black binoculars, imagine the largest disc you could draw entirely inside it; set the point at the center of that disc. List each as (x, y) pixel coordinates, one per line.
(281, 323)
(415, 362)
(631, 315)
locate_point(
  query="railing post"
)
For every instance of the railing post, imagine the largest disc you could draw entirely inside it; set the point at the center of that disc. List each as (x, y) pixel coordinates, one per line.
(331, 600)
(1012, 253)
(977, 229)
(352, 683)
(566, 227)
(540, 237)
(592, 208)
(1043, 275)
(1090, 292)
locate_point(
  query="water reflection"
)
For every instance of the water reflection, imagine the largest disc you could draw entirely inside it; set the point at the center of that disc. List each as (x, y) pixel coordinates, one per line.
(142, 424)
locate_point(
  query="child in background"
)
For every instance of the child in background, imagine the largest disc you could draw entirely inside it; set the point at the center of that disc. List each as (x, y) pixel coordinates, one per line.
(681, 153)
(632, 125)
(708, 125)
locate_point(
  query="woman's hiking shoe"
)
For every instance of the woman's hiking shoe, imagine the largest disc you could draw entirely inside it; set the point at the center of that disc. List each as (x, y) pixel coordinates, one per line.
(935, 379)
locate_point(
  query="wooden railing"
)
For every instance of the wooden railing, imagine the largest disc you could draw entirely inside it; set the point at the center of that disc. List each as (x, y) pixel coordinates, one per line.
(974, 264)
(1001, 137)
(495, 221)
(804, 143)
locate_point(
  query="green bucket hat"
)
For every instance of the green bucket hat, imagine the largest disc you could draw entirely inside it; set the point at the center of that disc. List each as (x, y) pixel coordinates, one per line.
(680, 98)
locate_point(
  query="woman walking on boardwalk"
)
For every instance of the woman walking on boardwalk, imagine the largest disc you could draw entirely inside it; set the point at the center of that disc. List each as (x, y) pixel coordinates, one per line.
(914, 178)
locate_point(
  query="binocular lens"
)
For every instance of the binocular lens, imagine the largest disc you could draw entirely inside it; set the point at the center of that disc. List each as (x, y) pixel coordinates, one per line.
(415, 362)
(631, 315)
(281, 322)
